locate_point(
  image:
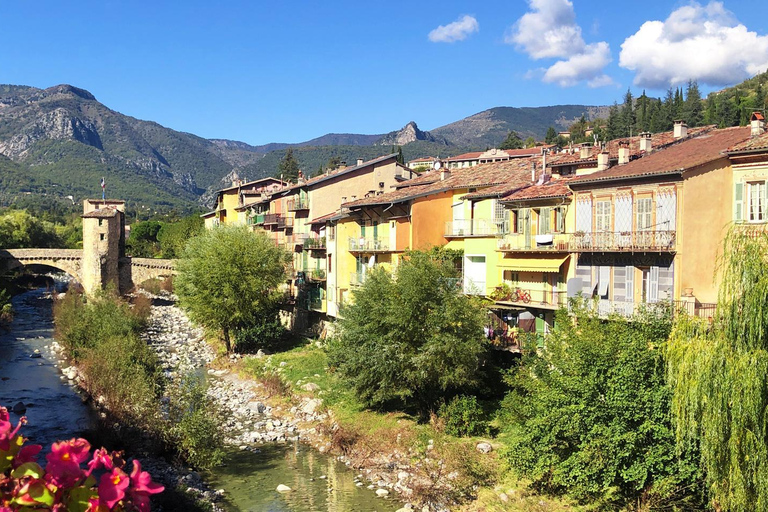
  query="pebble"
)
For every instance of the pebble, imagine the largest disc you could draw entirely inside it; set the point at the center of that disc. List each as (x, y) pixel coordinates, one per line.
(283, 488)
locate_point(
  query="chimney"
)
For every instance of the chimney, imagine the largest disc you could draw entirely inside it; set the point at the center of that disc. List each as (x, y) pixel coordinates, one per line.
(445, 174)
(359, 161)
(681, 129)
(645, 141)
(603, 161)
(757, 123)
(623, 153)
(533, 172)
(585, 151)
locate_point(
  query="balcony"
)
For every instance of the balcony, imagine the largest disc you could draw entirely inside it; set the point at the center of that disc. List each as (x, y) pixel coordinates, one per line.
(545, 299)
(357, 278)
(284, 222)
(257, 219)
(474, 287)
(298, 204)
(314, 244)
(474, 227)
(316, 275)
(624, 241)
(368, 245)
(271, 218)
(556, 242)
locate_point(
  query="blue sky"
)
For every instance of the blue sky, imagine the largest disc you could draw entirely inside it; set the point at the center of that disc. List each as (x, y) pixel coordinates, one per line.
(290, 71)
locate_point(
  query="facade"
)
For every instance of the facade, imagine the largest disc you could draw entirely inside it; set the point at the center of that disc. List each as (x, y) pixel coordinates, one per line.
(492, 155)
(229, 201)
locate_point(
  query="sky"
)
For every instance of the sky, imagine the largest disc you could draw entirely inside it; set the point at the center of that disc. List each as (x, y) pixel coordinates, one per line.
(285, 71)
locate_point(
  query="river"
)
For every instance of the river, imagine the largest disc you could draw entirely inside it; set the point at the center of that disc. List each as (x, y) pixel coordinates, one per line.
(56, 410)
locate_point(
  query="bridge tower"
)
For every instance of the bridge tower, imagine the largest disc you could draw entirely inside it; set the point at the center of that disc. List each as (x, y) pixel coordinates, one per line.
(103, 244)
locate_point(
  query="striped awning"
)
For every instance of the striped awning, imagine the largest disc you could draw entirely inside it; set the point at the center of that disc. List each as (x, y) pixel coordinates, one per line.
(544, 264)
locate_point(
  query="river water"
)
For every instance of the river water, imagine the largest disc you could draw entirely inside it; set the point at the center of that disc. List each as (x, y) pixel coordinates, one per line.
(56, 410)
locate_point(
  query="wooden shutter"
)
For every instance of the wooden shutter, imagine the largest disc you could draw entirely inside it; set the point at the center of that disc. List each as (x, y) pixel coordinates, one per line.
(545, 215)
(522, 217)
(653, 285)
(560, 219)
(738, 202)
(629, 283)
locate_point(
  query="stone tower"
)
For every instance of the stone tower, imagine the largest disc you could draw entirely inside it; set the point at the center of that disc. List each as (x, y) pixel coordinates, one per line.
(103, 244)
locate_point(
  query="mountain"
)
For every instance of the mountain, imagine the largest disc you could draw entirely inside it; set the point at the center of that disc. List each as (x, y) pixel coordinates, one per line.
(409, 133)
(62, 141)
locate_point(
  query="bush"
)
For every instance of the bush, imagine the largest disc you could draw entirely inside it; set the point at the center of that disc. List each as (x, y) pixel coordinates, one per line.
(463, 417)
(264, 333)
(194, 428)
(412, 337)
(590, 415)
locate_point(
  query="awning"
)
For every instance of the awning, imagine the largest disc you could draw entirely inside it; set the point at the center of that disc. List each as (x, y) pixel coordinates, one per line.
(534, 264)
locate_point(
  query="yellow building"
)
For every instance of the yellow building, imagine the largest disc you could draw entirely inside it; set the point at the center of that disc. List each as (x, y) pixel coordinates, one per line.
(230, 201)
(650, 229)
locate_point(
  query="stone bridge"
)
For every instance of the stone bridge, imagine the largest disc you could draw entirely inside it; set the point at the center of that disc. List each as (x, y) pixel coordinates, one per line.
(131, 271)
(102, 261)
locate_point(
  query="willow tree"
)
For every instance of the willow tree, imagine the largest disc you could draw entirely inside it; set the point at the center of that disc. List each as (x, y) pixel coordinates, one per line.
(719, 377)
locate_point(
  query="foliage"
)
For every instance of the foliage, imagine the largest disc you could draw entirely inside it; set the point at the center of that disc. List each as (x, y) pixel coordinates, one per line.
(288, 169)
(64, 484)
(229, 276)
(193, 429)
(513, 141)
(6, 308)
(463, 417)
(142, 242)
(719, 374)
(551, 135)
(19, 229)
(589, 414)
(262, 332)
(411, 336)
(503, 292)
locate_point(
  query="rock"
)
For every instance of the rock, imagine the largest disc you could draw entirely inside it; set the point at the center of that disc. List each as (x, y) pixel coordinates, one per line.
(282, 364)
(311, 406)
(283, 488)
(484, 447)
(382, 493)
(260, 354)
(36, 355)
(310, 386)
(19, 408)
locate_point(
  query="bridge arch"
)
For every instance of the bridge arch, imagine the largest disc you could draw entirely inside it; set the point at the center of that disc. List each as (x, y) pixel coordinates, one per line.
(66, 260)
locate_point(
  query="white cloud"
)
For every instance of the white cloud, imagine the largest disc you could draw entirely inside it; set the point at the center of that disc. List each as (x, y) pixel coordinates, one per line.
(704, 43)
(550, 30)
(459, 30)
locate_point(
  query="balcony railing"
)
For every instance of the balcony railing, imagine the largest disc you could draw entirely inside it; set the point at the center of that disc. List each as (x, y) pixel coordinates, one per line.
(531, 297)
(256, 219)
(316, 274)
(314, 244)
(271, 218)
(475, 227)
(295, 205)
(624, 241)
(699, 309)
(284, 222)
(473, 287)
(368, 245)
(555, 242)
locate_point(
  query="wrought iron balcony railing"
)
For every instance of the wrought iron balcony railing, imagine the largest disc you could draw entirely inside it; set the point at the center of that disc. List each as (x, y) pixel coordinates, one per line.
(368, 245)
(475, 227)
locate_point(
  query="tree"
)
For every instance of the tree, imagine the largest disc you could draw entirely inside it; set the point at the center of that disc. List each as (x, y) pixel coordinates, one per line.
(551, 136)
(400, 158)
(692, 110)
(513, 141)
(411, 337)
(530, 142)
(719, 374)
(142, 241)
(20, 229)
(288, 168)
(589, 414)
(627, 115)
(173, 236)
(229, 277)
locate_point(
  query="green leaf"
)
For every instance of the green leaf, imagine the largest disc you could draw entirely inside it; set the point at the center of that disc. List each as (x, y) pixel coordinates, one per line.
(32, 469)
(77, 499)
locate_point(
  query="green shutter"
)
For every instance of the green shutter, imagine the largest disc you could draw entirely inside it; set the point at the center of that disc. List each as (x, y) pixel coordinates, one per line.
(738, 202)
(362, 230)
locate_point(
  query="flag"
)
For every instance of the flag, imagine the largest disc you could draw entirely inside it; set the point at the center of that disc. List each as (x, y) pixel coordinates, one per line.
(103, 189)
(103, 184)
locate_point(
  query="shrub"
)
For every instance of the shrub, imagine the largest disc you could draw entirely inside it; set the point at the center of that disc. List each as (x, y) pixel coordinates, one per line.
(152, 285)
(194, 428)
(265, 332)
(463, 417)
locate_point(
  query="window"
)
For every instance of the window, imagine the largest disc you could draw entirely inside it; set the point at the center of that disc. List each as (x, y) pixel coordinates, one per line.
(545, 221)
(644, 218)
(603, 216)
(101, 236)
(330, 265)
(101, 222)
(331, 232)
(756, 201)
(560, 219)
(500, 217)
(511, 277)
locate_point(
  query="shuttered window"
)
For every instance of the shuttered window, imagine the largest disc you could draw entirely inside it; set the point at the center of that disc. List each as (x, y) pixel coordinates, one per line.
(603, 216)
(560, 219)
(545, 221)
(629, 283)
(756, 201)
(522, 219)
(644, 219)
(738, 202)
(653, 285)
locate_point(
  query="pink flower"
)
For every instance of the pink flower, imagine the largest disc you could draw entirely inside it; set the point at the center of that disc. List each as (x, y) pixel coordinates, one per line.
(63, 468)
(26, 454)
(142, 487)
(7, 432)
(112, 487)
(94, 505)
(102, 459)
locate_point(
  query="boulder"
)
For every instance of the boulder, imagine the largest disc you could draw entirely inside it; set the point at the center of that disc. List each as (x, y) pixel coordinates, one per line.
(283, 488)
(311, 406)
(310, 386)
(381, 493)
(484, 447)
(19, 408)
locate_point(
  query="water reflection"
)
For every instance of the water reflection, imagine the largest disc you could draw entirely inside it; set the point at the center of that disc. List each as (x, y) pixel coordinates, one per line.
(250, 481)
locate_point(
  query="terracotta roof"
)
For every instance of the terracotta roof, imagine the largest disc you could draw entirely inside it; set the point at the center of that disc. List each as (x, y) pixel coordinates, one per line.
(427, 159)
(520, 176)
(339, 172)
(552, 188)
(757, 144)
(483, 175)
(466, 156)
(675, 158)
(658, 141)
(323, 219)
(536, 150)
(252, 184)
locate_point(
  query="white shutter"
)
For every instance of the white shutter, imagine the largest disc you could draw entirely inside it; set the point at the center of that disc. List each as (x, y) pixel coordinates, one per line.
(653, 285)
(629, 283)
(623, 218)
(738, 202)
(604, 279)
(584, 215)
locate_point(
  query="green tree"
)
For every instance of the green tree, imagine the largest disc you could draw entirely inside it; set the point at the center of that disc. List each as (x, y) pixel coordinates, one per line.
(229, 277)
(18, 228)
(627, 115)
(400, 158)
(530, 142)
(613, 128)
(693, 108)
(173, 236)
(589, 415)
(288, 168)
(513, 141)
(142, 241)
(411, 337)
(719, 374)
(551, 136)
